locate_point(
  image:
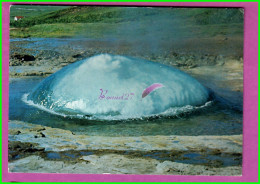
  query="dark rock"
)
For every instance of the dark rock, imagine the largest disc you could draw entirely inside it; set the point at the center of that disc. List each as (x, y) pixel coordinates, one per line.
(77, 56)
(22, 149)
(23, 57)
(40, 129)
(14, 132)
(42, 134)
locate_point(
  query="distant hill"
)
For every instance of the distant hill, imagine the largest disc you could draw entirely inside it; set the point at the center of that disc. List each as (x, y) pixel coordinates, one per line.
(32, 10)
(131, 23)
(93, 14)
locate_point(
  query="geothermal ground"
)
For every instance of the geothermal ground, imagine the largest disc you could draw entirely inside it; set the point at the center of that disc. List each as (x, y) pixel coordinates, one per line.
(36, 148)
(206, 43)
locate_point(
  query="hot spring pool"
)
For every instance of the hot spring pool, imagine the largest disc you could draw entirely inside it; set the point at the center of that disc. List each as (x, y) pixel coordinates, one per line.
(210, 117)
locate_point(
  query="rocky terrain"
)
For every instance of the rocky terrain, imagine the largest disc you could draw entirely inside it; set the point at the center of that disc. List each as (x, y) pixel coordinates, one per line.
(36, 61)
(36, 148)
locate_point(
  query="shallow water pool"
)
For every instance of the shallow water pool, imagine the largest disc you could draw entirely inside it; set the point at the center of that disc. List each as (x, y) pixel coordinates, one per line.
(222, 117)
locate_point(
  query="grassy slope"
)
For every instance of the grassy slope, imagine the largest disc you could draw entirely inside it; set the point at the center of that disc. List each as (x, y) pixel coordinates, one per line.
(99, 22)
(32, 10)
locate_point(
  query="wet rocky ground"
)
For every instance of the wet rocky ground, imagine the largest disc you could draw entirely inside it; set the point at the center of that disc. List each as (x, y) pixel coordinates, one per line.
(219, 58)
(32, 57)
(36, 148)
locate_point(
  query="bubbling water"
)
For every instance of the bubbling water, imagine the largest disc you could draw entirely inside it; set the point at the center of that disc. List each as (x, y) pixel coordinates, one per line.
(110, 87)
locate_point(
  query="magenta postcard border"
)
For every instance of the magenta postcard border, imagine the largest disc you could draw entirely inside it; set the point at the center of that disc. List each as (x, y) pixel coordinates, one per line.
(250, 116)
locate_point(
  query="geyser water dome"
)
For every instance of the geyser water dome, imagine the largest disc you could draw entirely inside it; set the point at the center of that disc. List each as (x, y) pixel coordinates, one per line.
(117, 87)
